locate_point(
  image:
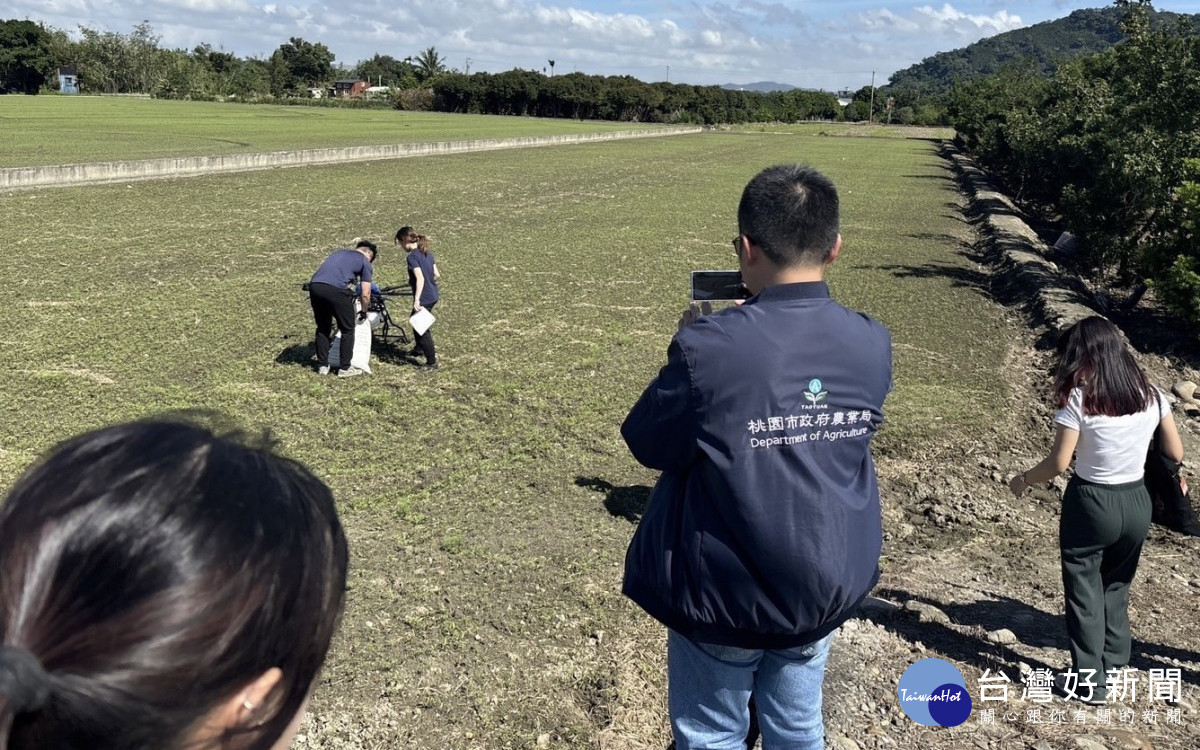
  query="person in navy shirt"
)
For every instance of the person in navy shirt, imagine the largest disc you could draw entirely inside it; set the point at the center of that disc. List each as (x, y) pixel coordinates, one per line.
(332, 293)
(763, 532)
(423, 277)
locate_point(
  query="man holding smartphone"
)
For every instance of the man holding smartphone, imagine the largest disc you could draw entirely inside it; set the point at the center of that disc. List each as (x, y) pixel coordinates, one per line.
(763, 533)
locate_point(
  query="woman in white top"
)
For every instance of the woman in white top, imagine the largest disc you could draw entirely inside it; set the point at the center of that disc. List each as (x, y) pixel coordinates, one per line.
(1107, 414)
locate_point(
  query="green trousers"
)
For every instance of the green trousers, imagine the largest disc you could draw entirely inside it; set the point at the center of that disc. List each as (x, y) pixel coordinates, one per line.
(1100, 535)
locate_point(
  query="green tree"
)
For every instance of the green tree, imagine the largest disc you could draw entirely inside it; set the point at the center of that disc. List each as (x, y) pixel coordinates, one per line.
(25, 56)
(385, 70)
(251, 79)
(429, 64)
(299, 65)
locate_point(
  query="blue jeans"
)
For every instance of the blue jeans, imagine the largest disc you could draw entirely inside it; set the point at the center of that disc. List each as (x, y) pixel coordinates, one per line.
(709, 689)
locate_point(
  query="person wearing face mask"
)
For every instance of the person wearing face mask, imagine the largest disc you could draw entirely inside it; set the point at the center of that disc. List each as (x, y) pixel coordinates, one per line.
(423, 277)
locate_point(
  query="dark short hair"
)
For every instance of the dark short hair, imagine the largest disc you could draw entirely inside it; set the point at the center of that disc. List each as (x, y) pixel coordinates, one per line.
(370, 246)
(154, 569)
(404, 231)
(791, 212)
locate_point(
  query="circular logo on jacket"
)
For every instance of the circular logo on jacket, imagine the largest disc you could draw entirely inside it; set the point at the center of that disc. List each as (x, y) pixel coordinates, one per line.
(933, 693)
(814, 386)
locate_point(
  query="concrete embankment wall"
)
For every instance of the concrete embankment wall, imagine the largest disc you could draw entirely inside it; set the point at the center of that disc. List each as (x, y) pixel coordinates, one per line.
(16, 178)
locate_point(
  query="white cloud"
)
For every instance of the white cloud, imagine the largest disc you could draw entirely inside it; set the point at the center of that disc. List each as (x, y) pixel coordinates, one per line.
(947, 17)
(826, 44)
(210, 6)
(884, 19)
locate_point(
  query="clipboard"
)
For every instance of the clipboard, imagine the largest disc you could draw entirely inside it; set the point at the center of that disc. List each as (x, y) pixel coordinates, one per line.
(421, 320)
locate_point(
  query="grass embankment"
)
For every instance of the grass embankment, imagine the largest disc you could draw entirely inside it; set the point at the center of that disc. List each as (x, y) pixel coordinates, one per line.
(76, 129)
(488, 504)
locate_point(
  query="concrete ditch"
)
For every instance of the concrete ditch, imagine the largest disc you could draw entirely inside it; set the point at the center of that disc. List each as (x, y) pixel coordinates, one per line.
(60, 175)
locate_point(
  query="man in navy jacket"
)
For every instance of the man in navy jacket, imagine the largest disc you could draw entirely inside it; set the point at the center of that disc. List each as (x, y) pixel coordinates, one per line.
(763, 533)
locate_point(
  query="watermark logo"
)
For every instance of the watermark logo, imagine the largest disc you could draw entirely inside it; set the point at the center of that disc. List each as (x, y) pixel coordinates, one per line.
(933, 693)
(814, 394)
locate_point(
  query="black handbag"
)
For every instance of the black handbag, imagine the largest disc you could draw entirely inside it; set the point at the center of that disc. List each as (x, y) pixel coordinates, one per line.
(1170, 506)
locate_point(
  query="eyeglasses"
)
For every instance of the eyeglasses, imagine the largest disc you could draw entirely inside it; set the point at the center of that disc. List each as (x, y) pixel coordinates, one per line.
(737, 246)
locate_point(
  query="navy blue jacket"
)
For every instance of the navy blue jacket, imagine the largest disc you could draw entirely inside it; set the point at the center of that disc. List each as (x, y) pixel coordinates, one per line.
(764, 529)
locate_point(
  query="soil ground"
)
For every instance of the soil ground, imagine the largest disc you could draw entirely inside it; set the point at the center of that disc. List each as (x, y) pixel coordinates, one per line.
(489, 505)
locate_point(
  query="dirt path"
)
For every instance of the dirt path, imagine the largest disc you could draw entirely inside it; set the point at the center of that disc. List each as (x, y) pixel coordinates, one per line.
(964, 559)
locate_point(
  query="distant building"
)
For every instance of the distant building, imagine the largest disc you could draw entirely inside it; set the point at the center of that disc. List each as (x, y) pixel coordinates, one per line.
(378, 92)
(349, 87)
(68, 80)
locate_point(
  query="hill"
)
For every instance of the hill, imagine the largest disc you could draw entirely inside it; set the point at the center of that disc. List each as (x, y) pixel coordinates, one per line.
(1048, 44)
(763, 86)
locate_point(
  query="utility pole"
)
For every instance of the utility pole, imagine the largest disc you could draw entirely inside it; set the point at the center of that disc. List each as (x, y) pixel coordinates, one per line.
(668, 74)
(469, 67)
(871, 111)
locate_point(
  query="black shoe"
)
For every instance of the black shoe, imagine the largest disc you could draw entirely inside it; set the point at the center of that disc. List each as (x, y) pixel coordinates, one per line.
(429, 366)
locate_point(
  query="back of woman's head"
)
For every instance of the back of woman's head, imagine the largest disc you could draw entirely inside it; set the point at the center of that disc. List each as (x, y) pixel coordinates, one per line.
(405, 234)
(1094, 358)
(423, 243)
(151, 571)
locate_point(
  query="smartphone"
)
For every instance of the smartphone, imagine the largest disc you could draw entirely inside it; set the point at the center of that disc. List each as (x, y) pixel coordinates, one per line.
(718, 285)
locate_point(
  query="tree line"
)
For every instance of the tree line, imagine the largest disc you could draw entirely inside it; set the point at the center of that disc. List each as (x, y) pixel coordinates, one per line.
(591, 97)
(1110, 143)
(136, 63)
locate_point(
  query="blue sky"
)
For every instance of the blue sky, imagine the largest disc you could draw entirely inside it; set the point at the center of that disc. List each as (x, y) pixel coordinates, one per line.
(830, 44)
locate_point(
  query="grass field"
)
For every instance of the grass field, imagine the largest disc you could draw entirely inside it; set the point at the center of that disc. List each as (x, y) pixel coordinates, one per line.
(488, 504)
(847, 129)
(75, 129)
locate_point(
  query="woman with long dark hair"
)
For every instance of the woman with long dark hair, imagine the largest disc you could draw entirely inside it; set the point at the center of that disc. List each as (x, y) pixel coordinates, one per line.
(164, 588)
(1107, 414)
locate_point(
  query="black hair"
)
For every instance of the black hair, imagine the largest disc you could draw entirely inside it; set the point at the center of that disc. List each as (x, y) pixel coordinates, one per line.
(1094, 357)
(153, 570)
(404, 232)
(370, 246)
(791, 212)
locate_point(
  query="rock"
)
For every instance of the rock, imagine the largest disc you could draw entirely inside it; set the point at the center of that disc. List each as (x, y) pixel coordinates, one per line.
(1185, 389)
(873, 606)
(845, 743)
(927, 612)
(1192, 409)
(1132, 740)
(1088, 743)
(1003, 636)
(1178, 577)
(1041, 745)
(543, 740)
